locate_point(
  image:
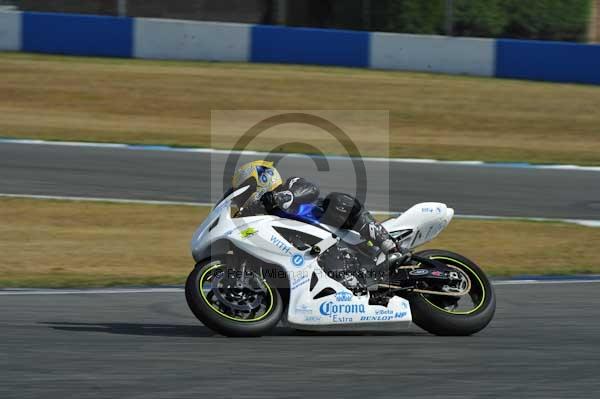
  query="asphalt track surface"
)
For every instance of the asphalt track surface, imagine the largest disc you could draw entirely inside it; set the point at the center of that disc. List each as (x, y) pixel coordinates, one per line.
(543, 342)
(196, 177)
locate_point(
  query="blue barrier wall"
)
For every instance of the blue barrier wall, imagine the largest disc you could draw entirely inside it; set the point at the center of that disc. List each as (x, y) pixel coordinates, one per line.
(154, 38)
(279, 44)
(552, 61)
(77, 34)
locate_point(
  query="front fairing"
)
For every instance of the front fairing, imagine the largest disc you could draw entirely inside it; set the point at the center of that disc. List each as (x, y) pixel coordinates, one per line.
(256, 235)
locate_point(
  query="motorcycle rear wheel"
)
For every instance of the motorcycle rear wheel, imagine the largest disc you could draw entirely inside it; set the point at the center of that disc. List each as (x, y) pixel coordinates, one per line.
(436, 314)
(216, 303)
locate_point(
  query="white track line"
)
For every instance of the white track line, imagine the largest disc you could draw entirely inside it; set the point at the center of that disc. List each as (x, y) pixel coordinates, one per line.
(97, 199)
(294, 155)
(581, 222)
(530, 281)
(105, 291)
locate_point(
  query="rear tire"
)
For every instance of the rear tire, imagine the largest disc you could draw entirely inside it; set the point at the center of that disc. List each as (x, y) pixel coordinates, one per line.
(440, 321)
(220, 322)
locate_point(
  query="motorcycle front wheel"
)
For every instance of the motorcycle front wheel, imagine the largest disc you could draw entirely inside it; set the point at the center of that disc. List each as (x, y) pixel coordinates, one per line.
(230, 302)
(444, 315)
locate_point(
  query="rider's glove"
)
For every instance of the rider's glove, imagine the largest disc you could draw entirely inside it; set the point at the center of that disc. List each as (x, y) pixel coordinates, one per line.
(268, 200)
(282, 200)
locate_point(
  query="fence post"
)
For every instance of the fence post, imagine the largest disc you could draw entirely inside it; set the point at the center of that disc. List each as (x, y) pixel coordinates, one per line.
(122, 8)
(449, 17)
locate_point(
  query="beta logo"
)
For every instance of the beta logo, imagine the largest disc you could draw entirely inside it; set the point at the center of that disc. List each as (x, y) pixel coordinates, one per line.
(297, 260)
(343, 296)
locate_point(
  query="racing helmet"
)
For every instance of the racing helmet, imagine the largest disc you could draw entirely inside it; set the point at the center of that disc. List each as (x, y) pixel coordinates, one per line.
(263, 173)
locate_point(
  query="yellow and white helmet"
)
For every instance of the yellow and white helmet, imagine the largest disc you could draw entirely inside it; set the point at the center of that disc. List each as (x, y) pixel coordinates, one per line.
(265, 175)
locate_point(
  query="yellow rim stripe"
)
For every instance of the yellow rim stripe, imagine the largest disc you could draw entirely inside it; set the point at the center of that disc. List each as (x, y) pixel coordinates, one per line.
(226, 315)
(476, 276)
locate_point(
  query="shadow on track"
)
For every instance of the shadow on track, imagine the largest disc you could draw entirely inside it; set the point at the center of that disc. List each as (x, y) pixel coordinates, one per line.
(161, 330)
(170, 330)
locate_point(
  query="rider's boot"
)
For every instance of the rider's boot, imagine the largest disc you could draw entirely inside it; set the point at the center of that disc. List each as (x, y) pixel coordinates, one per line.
(390, 255)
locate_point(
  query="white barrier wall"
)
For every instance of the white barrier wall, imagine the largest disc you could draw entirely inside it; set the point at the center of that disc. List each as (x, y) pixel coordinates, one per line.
(186, 40)
(10, 31)
(433, 54)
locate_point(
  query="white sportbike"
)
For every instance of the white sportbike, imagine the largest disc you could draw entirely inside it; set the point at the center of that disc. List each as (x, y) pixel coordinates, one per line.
(253, 272)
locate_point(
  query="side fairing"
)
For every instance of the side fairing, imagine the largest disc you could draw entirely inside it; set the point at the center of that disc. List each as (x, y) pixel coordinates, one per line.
(310, 310)
(316, 300)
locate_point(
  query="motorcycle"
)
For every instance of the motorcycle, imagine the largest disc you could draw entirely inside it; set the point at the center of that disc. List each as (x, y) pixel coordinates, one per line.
(253, 272)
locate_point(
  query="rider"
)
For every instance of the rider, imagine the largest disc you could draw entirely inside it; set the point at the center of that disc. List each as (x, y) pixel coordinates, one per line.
(268, 193)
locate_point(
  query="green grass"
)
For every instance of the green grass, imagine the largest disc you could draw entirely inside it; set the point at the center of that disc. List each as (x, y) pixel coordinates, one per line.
(169, 102)
(84, 244)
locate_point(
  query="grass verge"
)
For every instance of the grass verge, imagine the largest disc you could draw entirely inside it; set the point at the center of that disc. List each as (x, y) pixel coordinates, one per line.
(83, 244)
(168, 102)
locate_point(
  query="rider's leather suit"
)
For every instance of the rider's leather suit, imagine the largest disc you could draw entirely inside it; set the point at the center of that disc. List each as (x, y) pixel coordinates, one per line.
(337, 209)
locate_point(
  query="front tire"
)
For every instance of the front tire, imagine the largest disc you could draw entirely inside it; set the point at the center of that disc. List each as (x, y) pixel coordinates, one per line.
(435, 314)
(203, 290)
